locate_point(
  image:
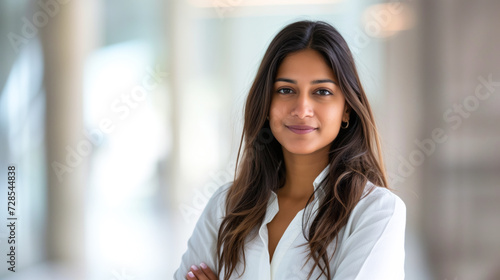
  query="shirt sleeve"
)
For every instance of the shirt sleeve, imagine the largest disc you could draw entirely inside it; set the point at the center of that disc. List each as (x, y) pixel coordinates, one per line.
(373, 243)
(202, 243)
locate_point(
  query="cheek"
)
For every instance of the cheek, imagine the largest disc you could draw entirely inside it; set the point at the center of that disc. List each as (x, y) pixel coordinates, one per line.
(277, 114)
(277, 111)
(330, 116)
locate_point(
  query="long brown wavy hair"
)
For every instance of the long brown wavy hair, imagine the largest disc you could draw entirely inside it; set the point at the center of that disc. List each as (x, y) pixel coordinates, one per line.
(355, 154)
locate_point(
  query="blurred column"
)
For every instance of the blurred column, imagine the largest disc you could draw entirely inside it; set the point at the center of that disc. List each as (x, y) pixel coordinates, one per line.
(461, 194)
(403, 125)
(66, 39)
(445, 85)
(180, 63)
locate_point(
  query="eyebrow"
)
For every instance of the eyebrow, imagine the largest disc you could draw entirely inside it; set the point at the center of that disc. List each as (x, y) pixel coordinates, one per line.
(312, 82)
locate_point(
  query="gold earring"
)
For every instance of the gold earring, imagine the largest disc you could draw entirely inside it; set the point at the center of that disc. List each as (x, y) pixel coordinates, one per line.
(346, 126)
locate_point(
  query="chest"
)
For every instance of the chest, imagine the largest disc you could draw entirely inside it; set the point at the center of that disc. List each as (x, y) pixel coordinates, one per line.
(278, 252)
(277, 227)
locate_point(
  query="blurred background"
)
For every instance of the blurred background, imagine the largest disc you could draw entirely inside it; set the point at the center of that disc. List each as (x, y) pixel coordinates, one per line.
(123, 117)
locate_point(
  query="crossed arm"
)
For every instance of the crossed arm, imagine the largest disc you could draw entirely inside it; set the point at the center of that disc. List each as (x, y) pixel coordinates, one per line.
(203, 272)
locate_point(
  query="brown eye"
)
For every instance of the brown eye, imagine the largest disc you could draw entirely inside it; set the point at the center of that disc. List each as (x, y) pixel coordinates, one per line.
(284, 90)
(324, 92)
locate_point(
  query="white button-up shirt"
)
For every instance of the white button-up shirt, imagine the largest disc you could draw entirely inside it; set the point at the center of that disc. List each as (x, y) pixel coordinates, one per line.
(370, 245)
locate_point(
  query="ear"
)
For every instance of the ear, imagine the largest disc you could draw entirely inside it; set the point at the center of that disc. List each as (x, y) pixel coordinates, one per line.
(347, 111)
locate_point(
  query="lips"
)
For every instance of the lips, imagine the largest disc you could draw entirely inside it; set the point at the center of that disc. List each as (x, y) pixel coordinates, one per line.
(301, 129)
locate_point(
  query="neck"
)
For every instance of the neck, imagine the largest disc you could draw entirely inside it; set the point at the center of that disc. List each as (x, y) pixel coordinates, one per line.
(301, 170)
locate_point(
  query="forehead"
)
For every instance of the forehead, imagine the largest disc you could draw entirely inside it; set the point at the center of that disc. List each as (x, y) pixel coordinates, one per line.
(305, 64)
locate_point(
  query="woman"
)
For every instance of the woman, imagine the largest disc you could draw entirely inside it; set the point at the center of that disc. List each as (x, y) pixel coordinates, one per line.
(310, 198)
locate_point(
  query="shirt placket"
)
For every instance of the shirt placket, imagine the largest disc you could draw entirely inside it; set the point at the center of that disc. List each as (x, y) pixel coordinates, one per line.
(286, 241)
(265, 267)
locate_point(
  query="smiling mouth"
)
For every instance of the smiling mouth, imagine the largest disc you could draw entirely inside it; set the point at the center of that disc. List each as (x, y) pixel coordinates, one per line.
(301, 129)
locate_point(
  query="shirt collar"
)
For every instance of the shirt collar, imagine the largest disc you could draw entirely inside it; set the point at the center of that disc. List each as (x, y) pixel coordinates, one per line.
(322, 175)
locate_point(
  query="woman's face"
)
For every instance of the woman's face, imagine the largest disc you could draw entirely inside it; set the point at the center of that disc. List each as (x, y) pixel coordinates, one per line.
(307, 106)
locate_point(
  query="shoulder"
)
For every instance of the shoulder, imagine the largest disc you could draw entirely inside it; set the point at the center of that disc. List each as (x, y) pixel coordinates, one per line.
(218, 198)
(214, 210)
(372, 243)
(380, 197)
(221, 192)
(379, 204)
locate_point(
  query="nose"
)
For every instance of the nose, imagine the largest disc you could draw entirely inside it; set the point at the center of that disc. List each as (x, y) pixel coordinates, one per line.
(303, 106)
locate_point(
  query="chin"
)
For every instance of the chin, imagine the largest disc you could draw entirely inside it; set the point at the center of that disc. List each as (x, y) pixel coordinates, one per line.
(301, 150)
